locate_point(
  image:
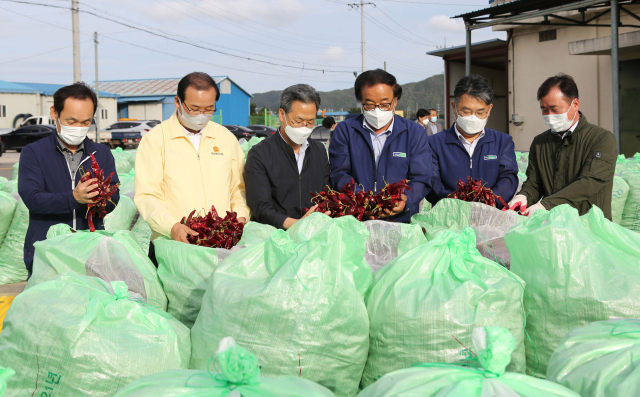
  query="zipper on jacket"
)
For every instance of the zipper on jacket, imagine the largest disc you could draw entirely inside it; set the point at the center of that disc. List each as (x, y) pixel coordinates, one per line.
(300, 193)
(471, 164)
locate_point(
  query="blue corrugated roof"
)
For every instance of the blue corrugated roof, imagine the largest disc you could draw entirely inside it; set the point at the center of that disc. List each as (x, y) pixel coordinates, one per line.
(141, 99)
(6, 86)
(50, 89)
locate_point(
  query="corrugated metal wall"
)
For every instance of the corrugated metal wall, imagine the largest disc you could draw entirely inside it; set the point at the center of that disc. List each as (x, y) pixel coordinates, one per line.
(234, 106)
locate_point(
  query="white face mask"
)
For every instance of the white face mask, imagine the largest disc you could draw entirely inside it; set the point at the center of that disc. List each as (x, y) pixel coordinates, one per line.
(197, 122)
(471, 125)
(72, 135)
(378, 118)
(298, 135)
(560, 122)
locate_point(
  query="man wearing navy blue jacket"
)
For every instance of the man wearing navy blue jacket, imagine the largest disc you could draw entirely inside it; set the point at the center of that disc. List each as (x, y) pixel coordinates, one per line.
(469, 149)
(51, 168)
(379, 147)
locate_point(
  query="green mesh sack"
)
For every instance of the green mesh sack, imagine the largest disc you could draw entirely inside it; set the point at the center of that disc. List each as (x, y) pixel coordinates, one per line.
(426, 206)
(8, 206)
(483, 376)
(424, 300)
(3, 181)
(522, 178)
(12, 267)
(126, 182)
(131, 155)
(142, 233)
(631, 211)
(577, 270)
(490, 225)
(625, 164)
(618, 198)
(298, 307)
(81, 336)
(600, 359)
(9, 186)
(388, 240)
(237, 373)
(60, 229)
(5, 375)
(14, 171)
(121, 218)
(185, 270)
(111, 256)
(121, 159)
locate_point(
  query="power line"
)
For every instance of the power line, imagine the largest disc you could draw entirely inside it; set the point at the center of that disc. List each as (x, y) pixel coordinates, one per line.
(165, 36)
(394, 33)
(433, 4)
(407, 30)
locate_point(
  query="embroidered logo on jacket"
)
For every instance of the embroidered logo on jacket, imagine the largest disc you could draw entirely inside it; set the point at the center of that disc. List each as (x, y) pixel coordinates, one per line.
(399, 154)
(216, 151)
(490, 157)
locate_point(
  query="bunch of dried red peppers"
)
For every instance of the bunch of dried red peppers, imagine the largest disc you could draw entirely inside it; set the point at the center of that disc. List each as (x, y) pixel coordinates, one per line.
(99, 206)
(214, 231)
(476, 191)
(347, 202)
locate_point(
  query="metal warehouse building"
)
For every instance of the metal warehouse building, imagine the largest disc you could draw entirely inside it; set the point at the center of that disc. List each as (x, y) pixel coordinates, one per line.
(153, 99)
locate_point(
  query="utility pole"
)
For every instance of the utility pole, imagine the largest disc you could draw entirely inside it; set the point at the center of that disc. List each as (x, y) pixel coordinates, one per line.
(99, 112)
(75, 22)
(385, 66)
(361, 5)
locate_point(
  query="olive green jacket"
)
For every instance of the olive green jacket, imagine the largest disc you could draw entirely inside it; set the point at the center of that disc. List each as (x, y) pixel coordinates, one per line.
(577, 170)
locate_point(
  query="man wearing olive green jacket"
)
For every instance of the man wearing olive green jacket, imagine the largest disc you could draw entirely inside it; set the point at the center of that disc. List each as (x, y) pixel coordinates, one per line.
(189, 163)
(571, 163)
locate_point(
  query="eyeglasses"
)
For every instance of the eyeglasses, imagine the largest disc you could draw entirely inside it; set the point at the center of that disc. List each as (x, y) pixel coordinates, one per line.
(196, 112)
(382, 106)
(480, 114)
(296, 124)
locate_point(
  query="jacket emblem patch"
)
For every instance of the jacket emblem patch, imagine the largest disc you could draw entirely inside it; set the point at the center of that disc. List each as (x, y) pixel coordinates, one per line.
(216, 149)
(490, 157)
(399, 154)
(598, 154)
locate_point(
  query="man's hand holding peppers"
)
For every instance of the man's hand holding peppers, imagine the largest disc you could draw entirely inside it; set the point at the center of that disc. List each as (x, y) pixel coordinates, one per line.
(180, 232)
(86, 191)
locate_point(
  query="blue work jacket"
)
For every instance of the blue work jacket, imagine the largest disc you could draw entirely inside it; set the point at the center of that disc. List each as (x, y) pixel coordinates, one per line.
(494, 162)
(46, 188)
(405, 155)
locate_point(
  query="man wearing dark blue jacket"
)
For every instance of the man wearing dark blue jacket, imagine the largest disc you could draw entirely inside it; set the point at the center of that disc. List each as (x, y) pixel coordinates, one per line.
(51, 168)
(379, 147)
(468, 149)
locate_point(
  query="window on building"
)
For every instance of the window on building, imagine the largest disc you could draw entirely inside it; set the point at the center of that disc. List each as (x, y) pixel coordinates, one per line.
(103, 114)
(3, 111)
(548, 35)
(225, 86)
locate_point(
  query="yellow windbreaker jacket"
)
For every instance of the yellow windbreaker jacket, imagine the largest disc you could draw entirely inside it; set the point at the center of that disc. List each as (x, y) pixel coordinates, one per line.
(171, 179)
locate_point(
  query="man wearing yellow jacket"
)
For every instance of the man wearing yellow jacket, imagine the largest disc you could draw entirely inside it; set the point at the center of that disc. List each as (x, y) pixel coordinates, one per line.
(189, 163)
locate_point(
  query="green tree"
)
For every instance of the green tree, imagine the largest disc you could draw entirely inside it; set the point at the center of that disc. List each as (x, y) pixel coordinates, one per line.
(355, 110)
(252, 109)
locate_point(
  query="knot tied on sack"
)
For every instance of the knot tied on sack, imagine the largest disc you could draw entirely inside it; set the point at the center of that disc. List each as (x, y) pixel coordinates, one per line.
(120, 290)
(494, 346)
(234, 365)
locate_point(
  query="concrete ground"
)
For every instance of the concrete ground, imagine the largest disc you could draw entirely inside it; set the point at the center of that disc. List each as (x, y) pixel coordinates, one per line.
(8, 159)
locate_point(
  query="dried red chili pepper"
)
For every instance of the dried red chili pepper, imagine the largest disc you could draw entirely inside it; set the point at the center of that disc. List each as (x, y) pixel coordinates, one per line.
(214, 231)
(105, 190)
(476, 191)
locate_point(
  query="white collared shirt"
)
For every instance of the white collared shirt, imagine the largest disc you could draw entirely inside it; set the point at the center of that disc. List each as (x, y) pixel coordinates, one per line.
(378, 140)
(570, 130)
(470, 147)
(194, 138)
(300, 154)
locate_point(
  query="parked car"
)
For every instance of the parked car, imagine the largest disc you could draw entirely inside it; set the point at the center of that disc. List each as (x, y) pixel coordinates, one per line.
(262, 131)
(132, 125)
(240, 131)
(18, 139)
(105, 136)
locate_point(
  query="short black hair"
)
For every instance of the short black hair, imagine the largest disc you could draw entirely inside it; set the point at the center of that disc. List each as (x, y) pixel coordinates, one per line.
(476, 87)
(373, 77)
(421, 113)
(433, 110)
(77, 90)
(564, 82)
(198, 80)
(328, 122)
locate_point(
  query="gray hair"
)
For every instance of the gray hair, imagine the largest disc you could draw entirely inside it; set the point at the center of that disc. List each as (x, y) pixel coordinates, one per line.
(299, 92)
(475, 86)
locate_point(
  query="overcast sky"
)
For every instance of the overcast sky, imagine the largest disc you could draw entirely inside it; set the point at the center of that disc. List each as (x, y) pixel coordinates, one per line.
(289, 41)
